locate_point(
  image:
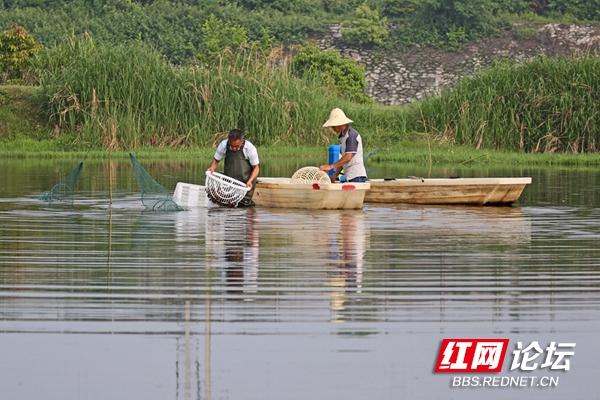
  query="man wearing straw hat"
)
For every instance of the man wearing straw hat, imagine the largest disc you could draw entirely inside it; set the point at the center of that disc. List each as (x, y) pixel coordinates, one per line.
(351, 146)
(241, 162)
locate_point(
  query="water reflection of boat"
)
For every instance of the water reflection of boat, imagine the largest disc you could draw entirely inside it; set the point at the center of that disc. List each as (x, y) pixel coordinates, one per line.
(232, 247)
(231, 243)
(476, 191)
(485, 225)
(346, 277)
(187, 364)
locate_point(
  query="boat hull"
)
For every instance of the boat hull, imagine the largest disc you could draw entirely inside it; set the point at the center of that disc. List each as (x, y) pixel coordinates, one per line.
(474, 191)
(282, 193)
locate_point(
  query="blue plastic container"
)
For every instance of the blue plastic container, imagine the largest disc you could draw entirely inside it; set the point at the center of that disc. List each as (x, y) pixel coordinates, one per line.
(334, 156)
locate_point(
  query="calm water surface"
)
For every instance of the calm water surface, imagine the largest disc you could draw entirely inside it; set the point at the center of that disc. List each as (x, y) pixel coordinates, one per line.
(118, 303)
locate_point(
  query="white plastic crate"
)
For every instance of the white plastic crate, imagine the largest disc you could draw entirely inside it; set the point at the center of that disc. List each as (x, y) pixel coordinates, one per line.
(188, 195)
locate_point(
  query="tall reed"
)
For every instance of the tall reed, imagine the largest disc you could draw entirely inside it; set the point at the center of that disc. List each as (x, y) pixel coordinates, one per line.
(543, 105)
(128, 95)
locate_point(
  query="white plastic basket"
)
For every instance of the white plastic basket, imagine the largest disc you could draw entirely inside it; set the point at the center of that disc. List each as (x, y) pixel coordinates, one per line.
(224, 190)
(310, 175)
(188, 196)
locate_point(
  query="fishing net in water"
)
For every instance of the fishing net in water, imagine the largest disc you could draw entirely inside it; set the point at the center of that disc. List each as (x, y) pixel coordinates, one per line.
(154, 196)
(64, 189)
(310, 175)
(224, 190)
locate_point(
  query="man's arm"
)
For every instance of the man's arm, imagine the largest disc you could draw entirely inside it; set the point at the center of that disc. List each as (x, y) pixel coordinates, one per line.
(335, 175)
(338, 164)
(253, 176)
(213, 165)
(219, 154)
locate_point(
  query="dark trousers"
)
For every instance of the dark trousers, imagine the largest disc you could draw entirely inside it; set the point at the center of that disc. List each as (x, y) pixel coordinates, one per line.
(358, 179)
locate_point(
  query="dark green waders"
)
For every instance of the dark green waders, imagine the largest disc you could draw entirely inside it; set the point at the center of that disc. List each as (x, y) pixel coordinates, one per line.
(237, 167)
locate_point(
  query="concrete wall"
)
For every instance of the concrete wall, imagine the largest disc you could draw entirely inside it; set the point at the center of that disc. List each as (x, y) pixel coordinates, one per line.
(400, 76)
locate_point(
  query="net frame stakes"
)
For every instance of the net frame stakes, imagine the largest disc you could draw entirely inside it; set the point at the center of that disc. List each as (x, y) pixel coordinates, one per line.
(310, 175)
(224, 190)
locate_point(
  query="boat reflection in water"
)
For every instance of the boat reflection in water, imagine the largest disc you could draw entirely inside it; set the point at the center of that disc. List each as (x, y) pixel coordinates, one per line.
(231, 240)
(480, 225)
(231, 243)
(232, 246)
(348, 243)
(193, 362)
(353, 269)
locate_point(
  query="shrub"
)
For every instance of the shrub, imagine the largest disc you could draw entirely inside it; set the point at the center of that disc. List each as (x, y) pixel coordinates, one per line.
(342, 74)
(395, 8)
(581, 9)
(449, 23)
(515, 6)
(367, 27)
(218, 35)
(17, 47)
(456, 38)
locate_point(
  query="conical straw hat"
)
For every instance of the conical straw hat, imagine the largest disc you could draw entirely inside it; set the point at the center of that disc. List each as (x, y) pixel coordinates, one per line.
(337, 118)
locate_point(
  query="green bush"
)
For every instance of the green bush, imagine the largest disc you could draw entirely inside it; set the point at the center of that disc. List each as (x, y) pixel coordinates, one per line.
(343, 75)
(581, 9)
(341, 7)
(395, 8)
(515, 6)
(456, 38)
(218, 36)
(366, 27)
(524, 32)
(449, 23)
(17, 48)
(280, 5)
(174, 27)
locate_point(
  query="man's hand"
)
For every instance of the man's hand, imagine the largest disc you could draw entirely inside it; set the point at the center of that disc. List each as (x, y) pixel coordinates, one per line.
(326, 167)
(214, 164)
(249, 185)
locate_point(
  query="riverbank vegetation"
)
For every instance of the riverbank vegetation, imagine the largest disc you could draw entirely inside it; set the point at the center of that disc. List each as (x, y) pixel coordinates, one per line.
(418, 152)
(88, 95)
(175, 27)
(125, 96)
(545, 105)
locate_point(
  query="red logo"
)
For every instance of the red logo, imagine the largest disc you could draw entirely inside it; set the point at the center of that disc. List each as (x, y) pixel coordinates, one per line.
(471, 355)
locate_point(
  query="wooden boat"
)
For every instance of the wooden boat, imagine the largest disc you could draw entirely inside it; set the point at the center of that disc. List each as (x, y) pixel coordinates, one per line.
(282, 193)
(475, 191)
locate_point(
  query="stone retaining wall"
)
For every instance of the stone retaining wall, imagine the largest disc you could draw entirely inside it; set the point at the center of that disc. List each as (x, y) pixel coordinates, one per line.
(401, 76)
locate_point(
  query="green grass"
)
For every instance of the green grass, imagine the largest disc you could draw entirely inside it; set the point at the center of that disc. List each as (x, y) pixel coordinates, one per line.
(20, 113)
(419, 152)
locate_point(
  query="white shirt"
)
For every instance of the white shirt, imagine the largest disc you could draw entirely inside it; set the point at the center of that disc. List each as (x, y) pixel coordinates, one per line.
(351, 142)
(250, 152)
